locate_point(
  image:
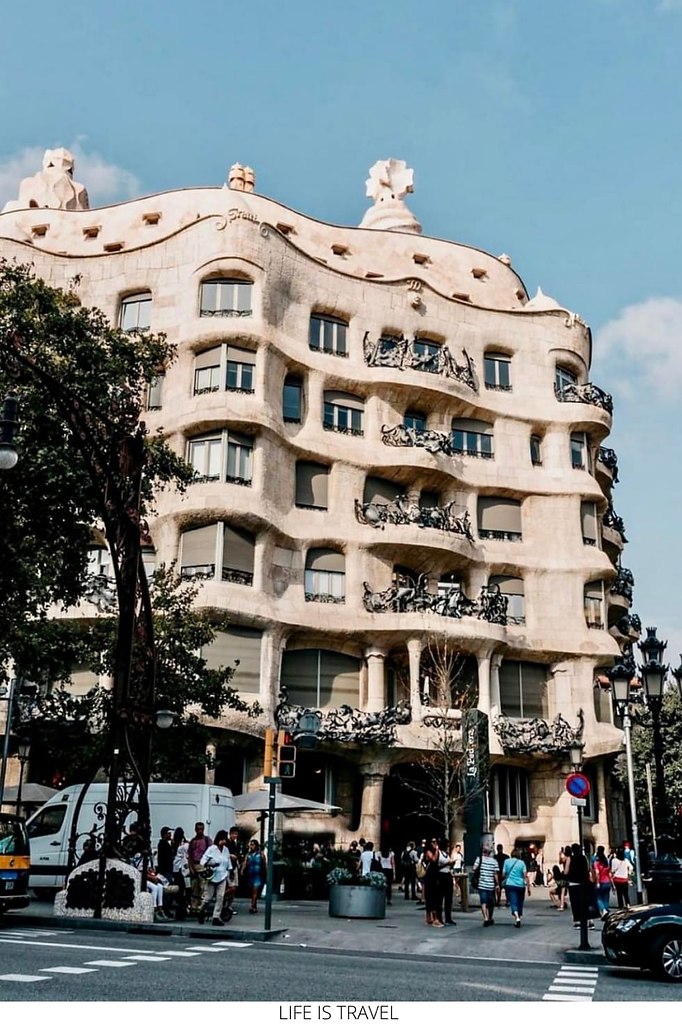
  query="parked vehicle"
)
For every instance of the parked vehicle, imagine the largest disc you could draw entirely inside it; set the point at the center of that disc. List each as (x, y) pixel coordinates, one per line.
(15, 861)
(649, 937)
(171, 804)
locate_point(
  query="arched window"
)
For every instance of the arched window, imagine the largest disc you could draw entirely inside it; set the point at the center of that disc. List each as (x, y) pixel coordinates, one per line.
(343, 413)
(321, 679)
(512, 588)
(325, 576)
(226, 296)
(472, 437)
(136, 312)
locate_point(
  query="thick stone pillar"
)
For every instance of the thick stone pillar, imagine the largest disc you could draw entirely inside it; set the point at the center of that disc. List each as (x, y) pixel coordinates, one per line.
(272, 645)
(376, 681)
(484, 683)
(495, 700)
(414, 651)
(370, 808)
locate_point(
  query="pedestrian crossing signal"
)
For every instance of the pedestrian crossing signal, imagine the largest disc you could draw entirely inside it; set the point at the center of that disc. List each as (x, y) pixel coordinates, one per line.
(286, 755)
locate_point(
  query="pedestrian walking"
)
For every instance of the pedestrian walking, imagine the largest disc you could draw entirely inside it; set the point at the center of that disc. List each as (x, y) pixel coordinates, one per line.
(500, 856)
(354, 853)
(578, 878)
(253, 869)
(387, 861)
(603, 880)
(164, 854)
(408, 866)
(457, 858)
(516, 880)
(487, 881)
(198, 845)
(181, 873)
(447, 887)
(217, 860)
(621, 869)
(553, 886)
(369, 860)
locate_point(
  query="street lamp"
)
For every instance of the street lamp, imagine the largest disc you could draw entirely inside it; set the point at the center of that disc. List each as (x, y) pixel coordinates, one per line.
(23, 752)
(654, 674)
(620, 677)
(9, 420)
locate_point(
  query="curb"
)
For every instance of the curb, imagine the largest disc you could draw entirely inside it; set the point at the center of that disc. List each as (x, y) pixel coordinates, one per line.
(191, 931)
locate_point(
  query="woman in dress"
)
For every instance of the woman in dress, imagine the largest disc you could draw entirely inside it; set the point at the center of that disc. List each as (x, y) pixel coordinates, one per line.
(253, 870)
(431, 884)
(387, 860)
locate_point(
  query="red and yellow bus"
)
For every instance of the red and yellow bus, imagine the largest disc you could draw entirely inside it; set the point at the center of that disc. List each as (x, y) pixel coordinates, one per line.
(15, 863)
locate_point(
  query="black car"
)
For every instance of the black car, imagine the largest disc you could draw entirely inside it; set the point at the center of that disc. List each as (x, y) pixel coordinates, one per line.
(649, 937)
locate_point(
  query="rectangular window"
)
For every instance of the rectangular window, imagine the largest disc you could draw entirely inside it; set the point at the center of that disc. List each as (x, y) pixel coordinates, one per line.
(580, 452)
(320, 583)
(523, 689)
(155, 393)
(292, 400)
(198, 553)
(594, 605)
(240, 646)
(414, 420)
(238, 555)
(428, 355)
(226, 298)
(467, 442)
(342, 419)
(239, 459)
(510, 797)
(241, 370)
(563, 378)
(535, 450)
(497, 372)
(136, 311)
(207, 371)
(205, 458)
(588, 515)
(327, 334)
(499, 519)
(311, 485)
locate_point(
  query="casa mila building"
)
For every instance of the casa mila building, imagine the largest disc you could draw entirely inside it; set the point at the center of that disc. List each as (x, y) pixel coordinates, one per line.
(402, 501)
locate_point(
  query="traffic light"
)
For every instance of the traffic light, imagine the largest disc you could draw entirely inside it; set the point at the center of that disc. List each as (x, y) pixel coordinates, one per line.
(286, 755)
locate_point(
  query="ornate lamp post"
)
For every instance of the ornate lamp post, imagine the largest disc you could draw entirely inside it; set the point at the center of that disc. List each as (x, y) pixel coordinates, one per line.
(654, 675)
(23, 753)
(621, 677)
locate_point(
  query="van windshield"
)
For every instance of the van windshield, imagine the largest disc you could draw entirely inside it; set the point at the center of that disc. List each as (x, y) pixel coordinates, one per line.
(13, 838)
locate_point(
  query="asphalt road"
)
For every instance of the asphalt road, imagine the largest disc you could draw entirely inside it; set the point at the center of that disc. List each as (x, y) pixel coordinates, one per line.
(41, 964)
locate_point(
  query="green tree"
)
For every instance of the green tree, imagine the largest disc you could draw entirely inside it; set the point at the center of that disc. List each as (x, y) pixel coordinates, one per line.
(56, 355)
(643, 755)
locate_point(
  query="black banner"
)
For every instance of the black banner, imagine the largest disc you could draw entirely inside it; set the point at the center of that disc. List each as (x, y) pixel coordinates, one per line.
(475, 773)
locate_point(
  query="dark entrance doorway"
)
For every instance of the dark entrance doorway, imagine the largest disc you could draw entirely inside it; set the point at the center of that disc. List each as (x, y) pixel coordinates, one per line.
(408, 811)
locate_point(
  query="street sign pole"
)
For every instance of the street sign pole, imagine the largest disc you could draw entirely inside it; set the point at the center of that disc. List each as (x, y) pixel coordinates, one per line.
(578, 785)
(272, 782)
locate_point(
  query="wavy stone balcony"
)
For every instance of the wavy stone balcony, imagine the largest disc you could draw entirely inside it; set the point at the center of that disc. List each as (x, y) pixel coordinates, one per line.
(537, 735)
(414, 354)
(413, 596)
(402, 511)
(589, 394)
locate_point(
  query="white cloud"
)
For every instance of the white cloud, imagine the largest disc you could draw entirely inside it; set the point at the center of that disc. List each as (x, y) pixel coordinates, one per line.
(105, 182)
(644, 342)
(669, 5)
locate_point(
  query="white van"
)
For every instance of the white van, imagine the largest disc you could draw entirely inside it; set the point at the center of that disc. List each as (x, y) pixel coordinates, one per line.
(170, 803)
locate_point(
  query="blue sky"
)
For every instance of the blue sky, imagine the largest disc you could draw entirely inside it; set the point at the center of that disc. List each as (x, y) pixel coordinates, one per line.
(546, 130)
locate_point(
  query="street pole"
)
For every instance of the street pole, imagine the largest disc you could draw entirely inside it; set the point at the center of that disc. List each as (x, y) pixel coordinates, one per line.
(272, 782)
(633, 805)
(8, 729)
(584, 942)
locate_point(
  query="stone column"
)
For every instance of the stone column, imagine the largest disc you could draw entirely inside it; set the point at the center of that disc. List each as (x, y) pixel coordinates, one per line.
(376, 683)
(495, 700)
(484, 683)
(414, 651)
(370, 808)
(272, 645)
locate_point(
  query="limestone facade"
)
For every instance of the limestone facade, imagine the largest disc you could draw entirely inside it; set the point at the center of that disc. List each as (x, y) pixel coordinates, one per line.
(385, 475)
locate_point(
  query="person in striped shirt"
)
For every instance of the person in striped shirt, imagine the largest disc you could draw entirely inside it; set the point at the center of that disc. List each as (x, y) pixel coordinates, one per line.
(488, 883)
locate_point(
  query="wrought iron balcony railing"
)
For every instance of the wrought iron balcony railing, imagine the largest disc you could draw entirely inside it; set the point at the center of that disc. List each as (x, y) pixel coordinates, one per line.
(588, 393)
(629, 625)
(347, 724)
(401, 436)
(608, 458)
(537, 735)
(237, 576)
(414, 596)
(614, 522)
(403, 511)
(324, 598)
(508, 535)
(404, 354)
(225, 312)
(352, 431)
(623, 583)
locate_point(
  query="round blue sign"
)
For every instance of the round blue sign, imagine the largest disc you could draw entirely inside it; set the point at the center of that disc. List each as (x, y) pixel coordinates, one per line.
(578, 784)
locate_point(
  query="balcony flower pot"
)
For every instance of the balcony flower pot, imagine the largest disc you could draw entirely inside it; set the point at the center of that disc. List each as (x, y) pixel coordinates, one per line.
(356, 896)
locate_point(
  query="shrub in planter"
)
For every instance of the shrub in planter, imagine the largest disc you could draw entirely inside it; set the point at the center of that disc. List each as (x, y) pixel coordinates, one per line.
(356, 896)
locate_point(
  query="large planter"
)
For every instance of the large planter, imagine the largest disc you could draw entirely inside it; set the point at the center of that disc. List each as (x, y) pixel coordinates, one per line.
(356, 901)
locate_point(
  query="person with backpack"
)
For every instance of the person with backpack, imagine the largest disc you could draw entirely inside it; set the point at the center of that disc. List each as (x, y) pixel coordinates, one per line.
(603, 880)
(408, 865)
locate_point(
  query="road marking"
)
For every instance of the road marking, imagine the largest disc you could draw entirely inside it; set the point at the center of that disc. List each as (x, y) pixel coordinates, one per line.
(69, 970)
(573, 984)
(150, 958)
(23, 977)
(74, 945)
(233, 945)
(206, 949)
(176, 952)
(109, 963)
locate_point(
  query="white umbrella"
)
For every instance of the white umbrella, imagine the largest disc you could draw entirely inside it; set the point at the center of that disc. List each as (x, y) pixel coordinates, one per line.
(260, 801)
(31, 793)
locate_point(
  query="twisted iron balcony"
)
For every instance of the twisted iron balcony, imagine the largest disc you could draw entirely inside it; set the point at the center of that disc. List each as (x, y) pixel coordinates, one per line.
(588, 393)
(401, 436)
(402, 511)
(404, 354)
(410, 596)
(614, 522)
(608, 458)
(623, 583)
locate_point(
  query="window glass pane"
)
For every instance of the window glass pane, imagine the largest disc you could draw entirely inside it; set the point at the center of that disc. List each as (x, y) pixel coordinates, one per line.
(314, 333)
(299, 675)
(415, 420)
(535, 450)
(48, 821)
(291, 401)
(136, 313)
(510, 689)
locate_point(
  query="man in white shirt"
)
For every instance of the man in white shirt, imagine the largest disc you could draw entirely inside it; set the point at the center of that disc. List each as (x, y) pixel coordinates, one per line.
(217, 858)
(366, 859)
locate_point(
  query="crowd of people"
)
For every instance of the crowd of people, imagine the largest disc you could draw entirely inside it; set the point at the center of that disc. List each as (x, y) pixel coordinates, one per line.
(199, 876)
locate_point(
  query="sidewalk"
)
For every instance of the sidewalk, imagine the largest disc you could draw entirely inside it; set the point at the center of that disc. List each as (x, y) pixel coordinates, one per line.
(546, 935)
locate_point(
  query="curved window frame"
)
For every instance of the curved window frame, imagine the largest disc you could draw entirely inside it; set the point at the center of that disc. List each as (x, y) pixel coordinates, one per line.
(470, 441)
(328, 334)
(134, 308)
(233, 297)
(497, 370)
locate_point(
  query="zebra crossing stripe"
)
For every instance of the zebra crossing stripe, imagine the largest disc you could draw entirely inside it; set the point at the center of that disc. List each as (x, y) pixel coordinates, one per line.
(573, 984)
(23, 977)
(108, 963)
(69, 970)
